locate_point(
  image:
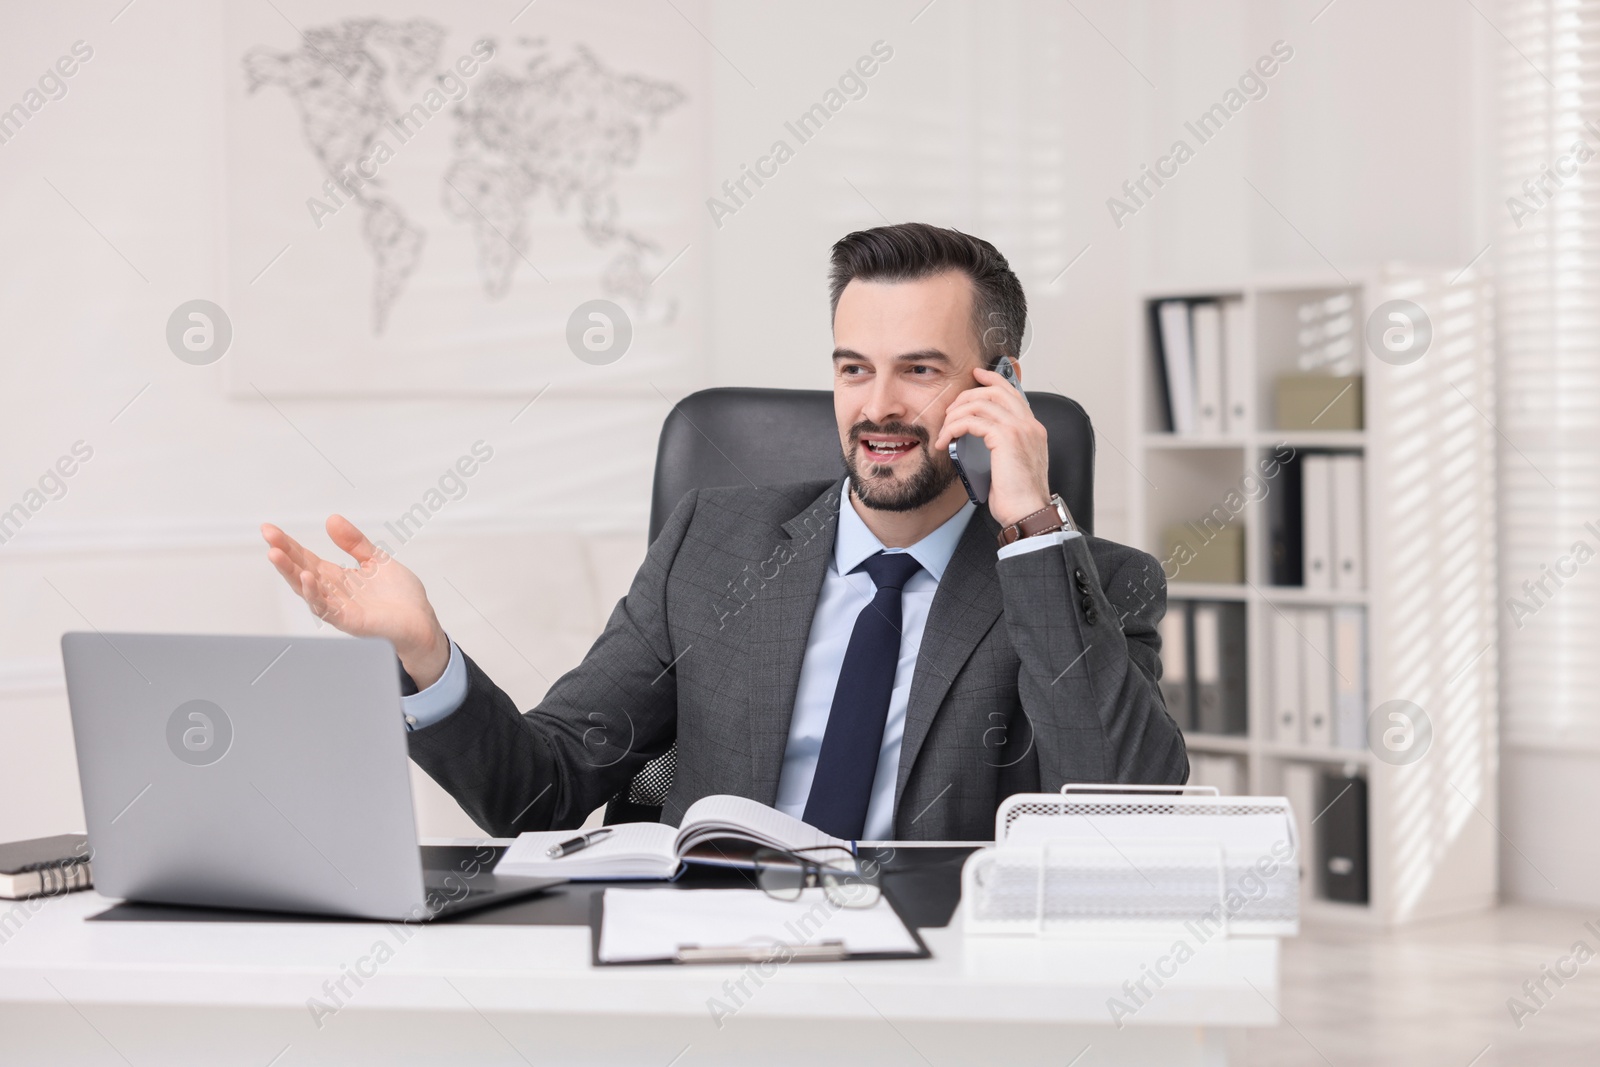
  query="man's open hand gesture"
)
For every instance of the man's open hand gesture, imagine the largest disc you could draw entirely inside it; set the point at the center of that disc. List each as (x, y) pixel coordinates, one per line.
(379, 597)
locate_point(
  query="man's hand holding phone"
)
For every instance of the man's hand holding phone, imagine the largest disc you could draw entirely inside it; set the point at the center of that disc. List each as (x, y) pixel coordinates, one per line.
(997, 412)
(379, 597)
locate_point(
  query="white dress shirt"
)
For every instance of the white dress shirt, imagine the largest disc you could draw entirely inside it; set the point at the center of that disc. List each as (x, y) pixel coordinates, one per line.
(841, 599)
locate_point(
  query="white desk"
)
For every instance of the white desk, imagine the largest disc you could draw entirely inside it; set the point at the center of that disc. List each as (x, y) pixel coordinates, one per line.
(237, 993)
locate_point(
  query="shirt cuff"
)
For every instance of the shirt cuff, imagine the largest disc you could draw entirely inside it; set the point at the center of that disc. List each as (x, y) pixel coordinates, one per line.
(1029, 544)
(436, 702)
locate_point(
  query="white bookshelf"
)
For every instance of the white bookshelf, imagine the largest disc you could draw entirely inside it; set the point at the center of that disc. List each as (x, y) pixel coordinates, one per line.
(1429, 451)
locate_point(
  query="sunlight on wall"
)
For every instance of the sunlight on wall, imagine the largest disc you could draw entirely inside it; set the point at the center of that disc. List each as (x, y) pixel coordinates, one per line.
(1434, 492)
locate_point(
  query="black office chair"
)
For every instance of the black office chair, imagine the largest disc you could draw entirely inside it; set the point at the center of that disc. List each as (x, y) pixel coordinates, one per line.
(790, 435)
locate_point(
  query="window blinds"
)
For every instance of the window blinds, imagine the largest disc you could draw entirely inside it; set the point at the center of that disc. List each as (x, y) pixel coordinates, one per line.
(1549, 415)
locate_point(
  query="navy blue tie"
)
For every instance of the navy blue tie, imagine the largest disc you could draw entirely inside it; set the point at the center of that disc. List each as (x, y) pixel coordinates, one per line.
(842, 787)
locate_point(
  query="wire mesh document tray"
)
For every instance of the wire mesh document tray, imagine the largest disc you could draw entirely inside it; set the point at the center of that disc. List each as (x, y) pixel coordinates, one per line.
(1126, 860)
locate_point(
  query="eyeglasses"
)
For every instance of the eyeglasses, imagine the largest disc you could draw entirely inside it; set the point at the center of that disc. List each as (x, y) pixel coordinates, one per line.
(786, 875)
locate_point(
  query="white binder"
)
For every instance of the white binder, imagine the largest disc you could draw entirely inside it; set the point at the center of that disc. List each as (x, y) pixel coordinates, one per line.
(1206, 321)
(1317, 520)
(1175, 687)
(1238, 388)
(1316, 676)
(1207, 669)
(1349, 557)
(1285, 684)
(1222, 773)
(1350, 677)
(1178, 358)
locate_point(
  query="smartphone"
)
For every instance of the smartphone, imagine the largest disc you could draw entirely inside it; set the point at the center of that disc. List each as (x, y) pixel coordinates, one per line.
(968, 452)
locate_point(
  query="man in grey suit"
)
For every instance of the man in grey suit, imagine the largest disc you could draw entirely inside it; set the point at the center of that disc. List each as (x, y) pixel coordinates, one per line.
(877, 655)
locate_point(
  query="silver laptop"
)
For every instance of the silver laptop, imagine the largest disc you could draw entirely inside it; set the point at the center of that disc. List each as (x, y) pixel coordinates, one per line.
(257, 772)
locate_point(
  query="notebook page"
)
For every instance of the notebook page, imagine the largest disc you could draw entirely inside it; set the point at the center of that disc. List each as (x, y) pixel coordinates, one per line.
(652, 924)
(635, 849)
(725, 815)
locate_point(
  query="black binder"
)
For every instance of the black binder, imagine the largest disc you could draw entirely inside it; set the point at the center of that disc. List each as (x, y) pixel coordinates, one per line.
(1286, 527)
(1342, 841)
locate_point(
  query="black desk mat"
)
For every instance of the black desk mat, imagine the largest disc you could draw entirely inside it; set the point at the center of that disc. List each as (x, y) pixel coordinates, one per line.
(924, 883)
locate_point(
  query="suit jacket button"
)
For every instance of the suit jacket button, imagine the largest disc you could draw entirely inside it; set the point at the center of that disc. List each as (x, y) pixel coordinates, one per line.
(1087, 603)
(1078, 577)
(1091, 616)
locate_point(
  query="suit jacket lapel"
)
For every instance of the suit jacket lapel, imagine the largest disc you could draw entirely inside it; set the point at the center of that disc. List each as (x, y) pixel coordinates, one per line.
(964, 608)
(780, 626)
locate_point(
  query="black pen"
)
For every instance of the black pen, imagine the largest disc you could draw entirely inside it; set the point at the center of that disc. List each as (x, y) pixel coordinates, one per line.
(579, 843)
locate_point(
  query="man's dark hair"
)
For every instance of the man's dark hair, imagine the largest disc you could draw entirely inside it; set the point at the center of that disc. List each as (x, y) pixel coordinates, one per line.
(912, 250)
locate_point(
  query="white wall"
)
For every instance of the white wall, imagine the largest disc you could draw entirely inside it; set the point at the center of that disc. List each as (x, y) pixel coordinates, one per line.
(158, 530)
(1371, 143)
(1005, 120)
(965, 126)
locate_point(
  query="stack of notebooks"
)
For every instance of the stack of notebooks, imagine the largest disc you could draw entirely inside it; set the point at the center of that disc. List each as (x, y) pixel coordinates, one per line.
(1202, 367)
(44, 866)
(720, 830)
(1315, 541)
(1204, 666)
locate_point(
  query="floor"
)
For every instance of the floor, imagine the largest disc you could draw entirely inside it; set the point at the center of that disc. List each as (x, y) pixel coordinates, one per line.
(1439, 993)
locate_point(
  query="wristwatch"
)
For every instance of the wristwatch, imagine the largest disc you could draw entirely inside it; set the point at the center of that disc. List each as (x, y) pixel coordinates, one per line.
(1053, 516)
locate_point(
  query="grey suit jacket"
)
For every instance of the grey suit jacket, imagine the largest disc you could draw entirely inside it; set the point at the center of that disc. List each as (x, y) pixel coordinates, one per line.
(1034, 670)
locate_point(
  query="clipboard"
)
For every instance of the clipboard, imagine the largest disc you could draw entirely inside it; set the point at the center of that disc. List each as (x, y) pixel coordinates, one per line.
(822, 951)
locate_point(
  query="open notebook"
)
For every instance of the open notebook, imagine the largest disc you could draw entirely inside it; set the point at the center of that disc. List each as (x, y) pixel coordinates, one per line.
(723, 830)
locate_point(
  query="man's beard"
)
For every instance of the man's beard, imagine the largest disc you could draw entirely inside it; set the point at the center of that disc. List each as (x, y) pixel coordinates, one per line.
(903, 492)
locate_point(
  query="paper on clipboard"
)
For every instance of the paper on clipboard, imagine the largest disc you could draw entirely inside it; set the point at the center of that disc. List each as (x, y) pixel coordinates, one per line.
(650, 925)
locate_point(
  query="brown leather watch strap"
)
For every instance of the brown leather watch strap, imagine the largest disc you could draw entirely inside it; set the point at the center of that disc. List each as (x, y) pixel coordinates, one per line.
(1053, 516)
